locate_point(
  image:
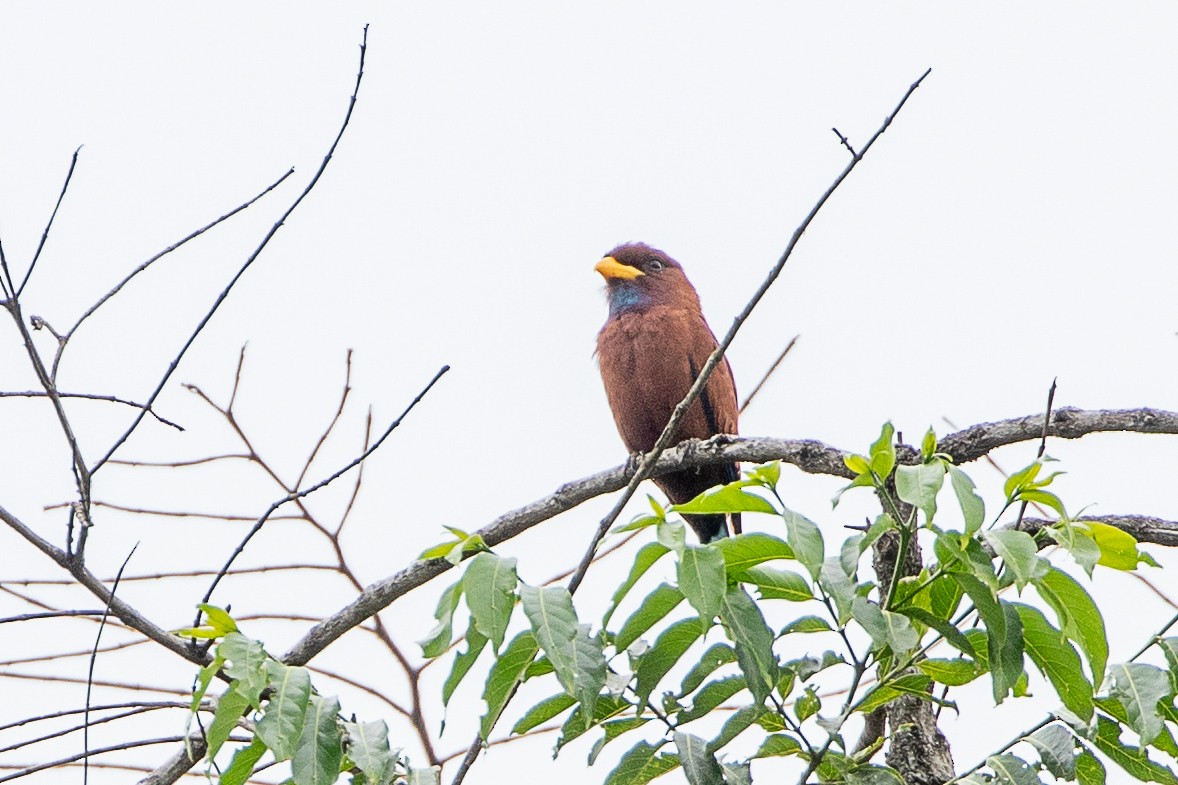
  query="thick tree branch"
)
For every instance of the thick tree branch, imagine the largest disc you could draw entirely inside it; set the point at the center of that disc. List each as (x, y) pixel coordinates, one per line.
(811, 456)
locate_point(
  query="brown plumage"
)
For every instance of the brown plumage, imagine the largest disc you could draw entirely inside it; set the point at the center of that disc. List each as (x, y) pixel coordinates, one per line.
(650, 352)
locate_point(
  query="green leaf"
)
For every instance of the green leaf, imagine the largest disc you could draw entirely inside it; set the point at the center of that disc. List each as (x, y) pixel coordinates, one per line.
(244, 661)
(423, 775)
(918, 485)
(699, 765)
(854, 547)
(438, 639)
(872, 774)
(606, 708)
(973, 509)
(952, 672)
(218, 619)
(1089, 770)
(1019, 552)
(641, 764)
(753, 641)
(368, 748)
(281, 725)
(807, 705)
(1046, 498)
(954, 636)
(717, 656)
(657, 604)
(839, 587)
(1004, 641)
(1139, 687)
(242, 765)
(725, 499)
(668, 648)
(611, 730)
(507, 672)
(775, 584)
(944, 596)
(316, 759)
(1078, 616)
(1011, 770)
(1134, 760)
(1057, 659)
(928, 445)
(777, 745)
(805, 539)
(230, 708)
(883, 452)
(711, 696)
(740, 721)
(909, 684)
(543, 711)
(744, 551)
(463, 661)
(885, 627)
(856, 463)
(807, 624)
(577, 658)
(1118, 549)
(1023, 478)
(1057, 750)
(643, 560)
(490, 583)
(767, 474)
(1077, 541)
(702, 579)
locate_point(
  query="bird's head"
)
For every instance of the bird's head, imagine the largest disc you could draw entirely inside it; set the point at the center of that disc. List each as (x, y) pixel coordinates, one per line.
(638, 277)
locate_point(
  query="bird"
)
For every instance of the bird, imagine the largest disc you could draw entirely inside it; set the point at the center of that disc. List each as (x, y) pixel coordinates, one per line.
(650, 351)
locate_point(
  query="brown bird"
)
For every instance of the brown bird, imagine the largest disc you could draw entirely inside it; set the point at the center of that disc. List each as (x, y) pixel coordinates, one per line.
(650, 352)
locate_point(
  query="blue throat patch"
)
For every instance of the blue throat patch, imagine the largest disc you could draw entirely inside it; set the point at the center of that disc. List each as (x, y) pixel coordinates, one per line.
(624, 297)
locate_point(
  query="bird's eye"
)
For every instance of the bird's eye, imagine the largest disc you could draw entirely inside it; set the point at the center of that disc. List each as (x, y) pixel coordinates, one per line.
(654, 265)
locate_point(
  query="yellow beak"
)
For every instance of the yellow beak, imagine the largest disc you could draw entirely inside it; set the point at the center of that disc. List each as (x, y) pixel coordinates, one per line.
(610, 267)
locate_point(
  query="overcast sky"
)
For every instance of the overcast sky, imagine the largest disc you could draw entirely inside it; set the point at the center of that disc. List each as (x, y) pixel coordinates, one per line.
(1015, 225)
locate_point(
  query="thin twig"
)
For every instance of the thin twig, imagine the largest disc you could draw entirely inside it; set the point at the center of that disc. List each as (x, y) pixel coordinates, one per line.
(772, 369)
(90, 669)
(248, 263)
(321, 484)
(1022, 510)
(92, 397)
(49, 225)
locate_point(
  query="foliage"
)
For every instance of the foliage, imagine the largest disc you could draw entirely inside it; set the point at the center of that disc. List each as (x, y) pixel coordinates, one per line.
(288, 718)
(703, 647)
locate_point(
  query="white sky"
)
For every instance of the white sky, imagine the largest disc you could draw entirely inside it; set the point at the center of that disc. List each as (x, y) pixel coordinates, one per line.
(1016, 224)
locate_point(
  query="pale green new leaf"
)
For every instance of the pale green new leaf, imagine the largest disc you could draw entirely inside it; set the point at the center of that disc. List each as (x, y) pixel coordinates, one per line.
(725, 499)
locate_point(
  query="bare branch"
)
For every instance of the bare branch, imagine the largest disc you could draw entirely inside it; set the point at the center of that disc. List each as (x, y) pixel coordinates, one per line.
(248, 263)
(92, 397)
(772, 369)
(49, 225)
